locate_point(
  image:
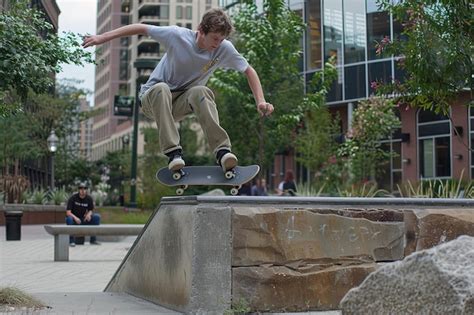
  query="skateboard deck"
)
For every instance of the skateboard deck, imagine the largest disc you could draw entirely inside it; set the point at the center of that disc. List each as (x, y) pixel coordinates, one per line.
(208, 175)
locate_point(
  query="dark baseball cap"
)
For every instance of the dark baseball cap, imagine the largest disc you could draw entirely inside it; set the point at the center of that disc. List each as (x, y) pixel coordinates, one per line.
(82, 185)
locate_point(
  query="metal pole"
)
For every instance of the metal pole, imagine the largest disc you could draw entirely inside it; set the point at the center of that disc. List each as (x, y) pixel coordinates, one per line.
(52, 171)
(133, 177)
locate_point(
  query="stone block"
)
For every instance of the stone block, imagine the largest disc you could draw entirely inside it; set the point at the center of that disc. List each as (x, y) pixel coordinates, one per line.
(283, 289)
(276, 236)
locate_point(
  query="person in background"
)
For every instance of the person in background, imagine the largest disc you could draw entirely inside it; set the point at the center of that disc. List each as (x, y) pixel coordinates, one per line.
(287, 187)
(79, 211)
(246, 189)
(260, 187)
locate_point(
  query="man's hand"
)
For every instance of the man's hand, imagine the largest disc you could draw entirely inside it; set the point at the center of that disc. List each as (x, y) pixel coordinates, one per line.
(265, 109)
(88, 216)
(92, 40)
(77, 220)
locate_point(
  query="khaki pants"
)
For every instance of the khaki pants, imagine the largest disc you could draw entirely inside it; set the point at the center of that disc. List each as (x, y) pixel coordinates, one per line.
(166, 108)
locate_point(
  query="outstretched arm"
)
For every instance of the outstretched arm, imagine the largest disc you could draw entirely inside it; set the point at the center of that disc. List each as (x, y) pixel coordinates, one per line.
(264, 108)
(127, 30)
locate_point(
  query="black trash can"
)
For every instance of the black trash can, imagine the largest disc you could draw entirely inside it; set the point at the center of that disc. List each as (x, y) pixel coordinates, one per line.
(13, 225)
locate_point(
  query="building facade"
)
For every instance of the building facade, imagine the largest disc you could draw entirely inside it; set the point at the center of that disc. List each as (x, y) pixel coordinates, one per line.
(124, 64)
(427, 146)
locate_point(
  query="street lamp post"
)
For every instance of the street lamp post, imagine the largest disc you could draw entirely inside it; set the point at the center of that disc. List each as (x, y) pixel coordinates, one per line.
(53, 147)
(138, 64)
(125, 142)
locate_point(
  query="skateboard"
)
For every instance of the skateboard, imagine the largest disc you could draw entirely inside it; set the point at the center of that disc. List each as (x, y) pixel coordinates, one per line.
(207, 175)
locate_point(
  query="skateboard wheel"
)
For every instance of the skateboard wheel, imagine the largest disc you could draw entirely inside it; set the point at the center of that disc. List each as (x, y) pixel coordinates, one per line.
(229, 174)
(177, 175)
(234, 191)
(179, 191)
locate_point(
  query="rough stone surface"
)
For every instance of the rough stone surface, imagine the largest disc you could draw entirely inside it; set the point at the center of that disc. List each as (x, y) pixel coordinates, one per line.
(284, 289)
(275, 236)
(439, 280)
(430, 227)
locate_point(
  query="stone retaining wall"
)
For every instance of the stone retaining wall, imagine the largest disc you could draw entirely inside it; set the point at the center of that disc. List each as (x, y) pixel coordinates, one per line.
(278, 254)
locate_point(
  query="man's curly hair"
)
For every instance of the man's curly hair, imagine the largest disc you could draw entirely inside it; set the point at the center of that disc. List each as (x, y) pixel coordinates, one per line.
(216, 21)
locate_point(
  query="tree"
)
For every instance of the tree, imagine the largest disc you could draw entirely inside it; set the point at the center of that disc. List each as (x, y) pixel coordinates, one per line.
(374, 120)
(28, 60)
(270, 41)
(435, 51)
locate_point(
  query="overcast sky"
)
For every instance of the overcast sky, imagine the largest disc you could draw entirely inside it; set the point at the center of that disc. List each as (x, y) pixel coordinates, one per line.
(78, 16)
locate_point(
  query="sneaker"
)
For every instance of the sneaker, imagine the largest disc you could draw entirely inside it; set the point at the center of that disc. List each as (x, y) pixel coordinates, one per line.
(72, 244)
(226, 159)
(176, 161)
(95, 243)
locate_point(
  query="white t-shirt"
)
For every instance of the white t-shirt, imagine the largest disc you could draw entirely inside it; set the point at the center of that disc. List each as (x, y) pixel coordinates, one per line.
(185, 65)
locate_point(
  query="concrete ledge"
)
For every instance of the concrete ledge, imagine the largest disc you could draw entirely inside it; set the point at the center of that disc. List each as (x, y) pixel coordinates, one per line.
(182, 260)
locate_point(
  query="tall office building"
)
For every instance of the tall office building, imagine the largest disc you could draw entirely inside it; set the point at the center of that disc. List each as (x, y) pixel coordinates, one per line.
(123, 64)
(85, 131)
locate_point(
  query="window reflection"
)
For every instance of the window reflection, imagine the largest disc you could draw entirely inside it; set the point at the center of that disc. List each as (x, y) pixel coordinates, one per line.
(313, 45)
(354, 31)
(354, 78)
(378, 27)
(379, 72)
(333, 30)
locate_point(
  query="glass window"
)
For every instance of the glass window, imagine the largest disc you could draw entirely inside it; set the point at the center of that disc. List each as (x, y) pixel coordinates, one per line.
(179, 12)
(313, 36)
(189, 13)
(389, 172)
(354, 78)
(354, 31)
(434, 138)
(164, 12)
(333, 30)
(378, 26)
(379, 72)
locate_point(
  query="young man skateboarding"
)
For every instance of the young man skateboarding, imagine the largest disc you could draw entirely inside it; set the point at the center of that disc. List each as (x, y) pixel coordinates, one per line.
(176, 88)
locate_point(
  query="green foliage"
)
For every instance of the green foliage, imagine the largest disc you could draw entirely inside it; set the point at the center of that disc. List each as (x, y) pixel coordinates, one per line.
(436, 189)
(239, 307)
(271, 43)
(29, 59)
(115, 215)
(374, 120)
(150, 190)
(366, 190)
(37, 197)
(436, 51)
(58, 196)
(315, 142)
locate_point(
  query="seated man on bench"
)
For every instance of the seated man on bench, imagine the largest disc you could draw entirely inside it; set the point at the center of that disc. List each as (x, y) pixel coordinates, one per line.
(80, 207)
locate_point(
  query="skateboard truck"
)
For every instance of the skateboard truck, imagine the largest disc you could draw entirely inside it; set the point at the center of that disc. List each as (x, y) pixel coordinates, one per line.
(178, 174)
(229, 174)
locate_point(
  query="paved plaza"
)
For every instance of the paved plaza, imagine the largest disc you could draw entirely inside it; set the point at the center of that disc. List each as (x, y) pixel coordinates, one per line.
(73, 287)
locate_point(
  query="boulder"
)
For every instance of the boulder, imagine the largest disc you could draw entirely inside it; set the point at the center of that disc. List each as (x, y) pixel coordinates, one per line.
(439, 280)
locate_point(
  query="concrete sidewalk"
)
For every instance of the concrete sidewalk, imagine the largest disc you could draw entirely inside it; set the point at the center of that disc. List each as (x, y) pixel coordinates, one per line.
(73, 287)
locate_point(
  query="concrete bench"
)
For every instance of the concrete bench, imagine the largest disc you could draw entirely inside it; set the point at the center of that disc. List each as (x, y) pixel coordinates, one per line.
(62, 232)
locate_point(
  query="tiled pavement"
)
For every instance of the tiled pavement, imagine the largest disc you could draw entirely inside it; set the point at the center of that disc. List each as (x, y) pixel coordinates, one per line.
(73, 287)
(29, 264)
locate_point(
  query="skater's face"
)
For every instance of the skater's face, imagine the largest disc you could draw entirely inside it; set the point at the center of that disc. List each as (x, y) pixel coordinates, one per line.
(209, 41)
